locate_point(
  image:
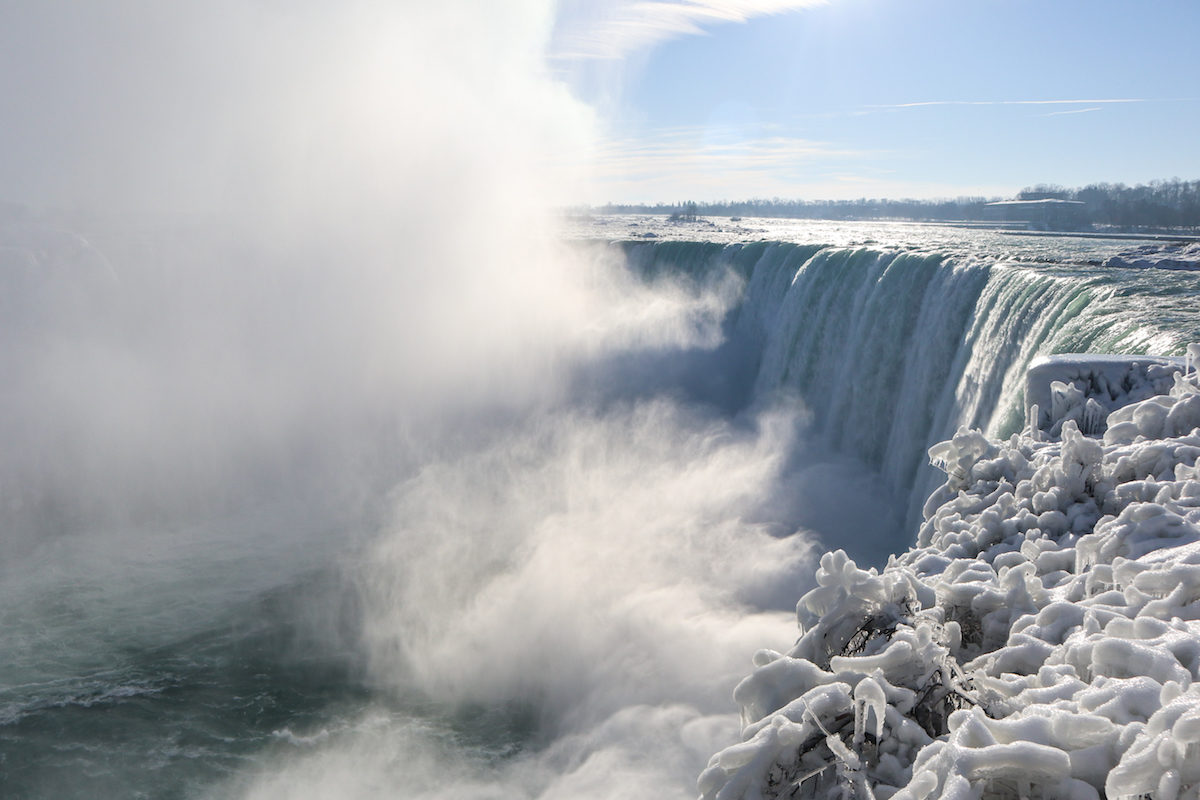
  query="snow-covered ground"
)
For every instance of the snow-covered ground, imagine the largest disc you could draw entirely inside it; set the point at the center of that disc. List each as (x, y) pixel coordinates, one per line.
(1041, 639)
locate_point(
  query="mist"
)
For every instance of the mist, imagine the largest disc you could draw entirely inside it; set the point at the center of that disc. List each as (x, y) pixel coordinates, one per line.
(255, 229)
(288, 325)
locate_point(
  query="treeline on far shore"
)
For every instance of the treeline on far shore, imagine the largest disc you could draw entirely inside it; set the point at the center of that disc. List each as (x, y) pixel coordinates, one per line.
(1159, 204)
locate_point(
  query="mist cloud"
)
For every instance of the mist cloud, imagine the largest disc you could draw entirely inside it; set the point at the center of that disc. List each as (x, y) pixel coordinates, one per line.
(295, 264)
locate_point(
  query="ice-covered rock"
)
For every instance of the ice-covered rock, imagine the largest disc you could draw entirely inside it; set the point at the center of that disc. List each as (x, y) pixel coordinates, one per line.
(1040, 640)
(1087, 387)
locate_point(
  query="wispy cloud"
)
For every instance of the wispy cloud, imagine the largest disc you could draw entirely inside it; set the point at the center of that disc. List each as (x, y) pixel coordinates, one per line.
(591, 30)
(692, 151)
(1073, 111)
(707, 162)
(1090, 102)
(714, 162)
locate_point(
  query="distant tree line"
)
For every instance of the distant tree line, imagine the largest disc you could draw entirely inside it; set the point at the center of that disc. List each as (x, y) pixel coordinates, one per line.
(1161, 204)
(687, 212)
(1158, 204)
(963, 208)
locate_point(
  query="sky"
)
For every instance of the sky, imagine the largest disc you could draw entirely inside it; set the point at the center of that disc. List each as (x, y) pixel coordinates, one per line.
(729, 99)
(248, 105)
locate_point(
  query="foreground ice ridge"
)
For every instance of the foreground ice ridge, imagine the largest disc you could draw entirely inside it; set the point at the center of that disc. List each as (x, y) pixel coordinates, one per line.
(1040, 640)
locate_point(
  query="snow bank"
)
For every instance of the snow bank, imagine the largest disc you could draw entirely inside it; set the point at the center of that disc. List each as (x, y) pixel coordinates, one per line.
(1040, 640)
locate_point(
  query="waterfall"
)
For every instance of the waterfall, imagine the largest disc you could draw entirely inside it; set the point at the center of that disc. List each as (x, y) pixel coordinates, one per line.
(891, 351)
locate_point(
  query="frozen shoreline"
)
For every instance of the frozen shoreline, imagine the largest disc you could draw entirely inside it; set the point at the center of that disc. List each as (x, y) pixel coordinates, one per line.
(1041, 639)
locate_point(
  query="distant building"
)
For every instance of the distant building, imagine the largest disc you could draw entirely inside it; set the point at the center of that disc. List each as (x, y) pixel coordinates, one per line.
(1039, 215)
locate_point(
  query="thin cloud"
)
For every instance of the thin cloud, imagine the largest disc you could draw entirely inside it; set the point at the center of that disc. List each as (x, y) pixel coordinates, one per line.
(1108, 101)
(1072, 111)
(587, 30)
(684, 152)
(708, 163)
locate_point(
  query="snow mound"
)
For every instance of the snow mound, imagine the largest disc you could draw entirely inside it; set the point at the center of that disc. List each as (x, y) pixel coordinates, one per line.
(1040, 640)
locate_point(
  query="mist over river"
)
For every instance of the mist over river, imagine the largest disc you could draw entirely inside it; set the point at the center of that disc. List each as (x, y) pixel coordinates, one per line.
(518, 541)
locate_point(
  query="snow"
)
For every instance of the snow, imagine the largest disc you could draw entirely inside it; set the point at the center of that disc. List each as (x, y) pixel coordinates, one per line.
(1040, 640)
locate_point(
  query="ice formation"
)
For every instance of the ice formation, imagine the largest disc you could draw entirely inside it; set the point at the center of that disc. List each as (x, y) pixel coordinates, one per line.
(1086, 388)
(1040, 640)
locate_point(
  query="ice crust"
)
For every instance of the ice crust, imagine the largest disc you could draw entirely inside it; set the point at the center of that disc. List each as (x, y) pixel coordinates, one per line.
(1040, 640)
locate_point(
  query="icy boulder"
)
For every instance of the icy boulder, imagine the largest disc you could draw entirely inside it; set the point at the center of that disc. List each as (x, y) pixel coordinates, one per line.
(1086, 387)
(1041, 639)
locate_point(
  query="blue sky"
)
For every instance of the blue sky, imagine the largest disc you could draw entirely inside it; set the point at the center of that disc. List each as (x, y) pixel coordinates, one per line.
(714, 99)
(207, 105)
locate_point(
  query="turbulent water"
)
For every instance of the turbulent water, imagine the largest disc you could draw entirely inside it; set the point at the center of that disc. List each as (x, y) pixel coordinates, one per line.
(542, 577)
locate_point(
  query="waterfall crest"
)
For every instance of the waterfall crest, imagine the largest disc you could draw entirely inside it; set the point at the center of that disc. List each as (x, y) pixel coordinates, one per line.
(893, 350)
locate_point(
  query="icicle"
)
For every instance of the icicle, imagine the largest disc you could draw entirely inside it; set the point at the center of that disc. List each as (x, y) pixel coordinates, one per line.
(868, 699)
